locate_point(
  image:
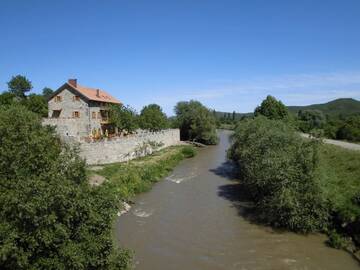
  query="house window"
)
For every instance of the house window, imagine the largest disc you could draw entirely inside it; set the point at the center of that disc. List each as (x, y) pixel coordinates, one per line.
(76, 114)
(76, 98)
(93, 115)
(99, 115)
(56, 113)
(58, 99)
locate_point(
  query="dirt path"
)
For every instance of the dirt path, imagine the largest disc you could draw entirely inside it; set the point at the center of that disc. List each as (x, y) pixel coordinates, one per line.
(351, 146)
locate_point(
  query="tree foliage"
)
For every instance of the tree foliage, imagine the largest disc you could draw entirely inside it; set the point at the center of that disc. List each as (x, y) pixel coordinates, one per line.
(311, 119)
(19, 85)
(47, 92)
(37, 104)
(196, 122)
(350, 129)
(7, 98)
(279, 169)
(153, 118)
(50, 218)
(124, 118)
(272, 109)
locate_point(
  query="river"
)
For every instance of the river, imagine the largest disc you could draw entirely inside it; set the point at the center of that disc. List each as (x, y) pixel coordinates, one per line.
(196, 219)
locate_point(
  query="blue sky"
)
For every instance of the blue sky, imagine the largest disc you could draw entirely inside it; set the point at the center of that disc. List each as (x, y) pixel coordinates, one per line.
(228, 54)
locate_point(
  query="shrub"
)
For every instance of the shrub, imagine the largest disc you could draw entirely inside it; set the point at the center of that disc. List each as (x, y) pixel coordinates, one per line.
(338, 241)
(278, 167)
(188, 151)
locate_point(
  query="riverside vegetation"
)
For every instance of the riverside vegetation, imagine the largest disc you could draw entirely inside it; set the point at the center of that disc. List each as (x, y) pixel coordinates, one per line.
(50, 216)
(298, 184)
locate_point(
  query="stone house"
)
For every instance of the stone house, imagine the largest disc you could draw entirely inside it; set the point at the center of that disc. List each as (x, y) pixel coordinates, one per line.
(79, 111)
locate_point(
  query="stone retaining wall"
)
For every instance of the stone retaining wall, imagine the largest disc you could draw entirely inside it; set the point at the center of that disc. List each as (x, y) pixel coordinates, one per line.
(126, 148)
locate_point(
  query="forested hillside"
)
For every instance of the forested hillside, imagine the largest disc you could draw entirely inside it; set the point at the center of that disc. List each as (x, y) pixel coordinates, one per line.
(341, 106)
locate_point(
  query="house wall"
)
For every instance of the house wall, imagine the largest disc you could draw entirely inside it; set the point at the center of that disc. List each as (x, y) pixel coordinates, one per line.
(126, 148)
(66, 124)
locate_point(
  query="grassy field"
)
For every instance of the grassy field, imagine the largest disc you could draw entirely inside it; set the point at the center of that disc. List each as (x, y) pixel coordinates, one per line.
(340, 181)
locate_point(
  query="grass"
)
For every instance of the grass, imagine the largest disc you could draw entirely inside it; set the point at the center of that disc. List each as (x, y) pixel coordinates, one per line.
(340, 180)
(339, 174)
(129, 178)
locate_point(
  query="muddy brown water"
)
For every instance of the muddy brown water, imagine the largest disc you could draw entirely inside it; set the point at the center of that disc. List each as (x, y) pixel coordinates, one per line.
(196, 219)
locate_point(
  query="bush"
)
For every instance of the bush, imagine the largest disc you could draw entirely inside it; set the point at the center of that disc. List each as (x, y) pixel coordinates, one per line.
(338, 241)
(278, 167)
(188, 151)
(50, 218)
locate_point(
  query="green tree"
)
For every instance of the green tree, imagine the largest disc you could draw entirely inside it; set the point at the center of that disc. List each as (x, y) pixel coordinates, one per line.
(350, 129)
(153, 118)
(19, 85)
(272, 109)
(49, 218)
(278, 167)
(196, 122)
(124, 118)
(37, 104)
(47, 92)
(7, 98)
(311, 119)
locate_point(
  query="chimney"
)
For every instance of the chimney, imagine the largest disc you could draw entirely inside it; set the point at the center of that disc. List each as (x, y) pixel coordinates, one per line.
(97, 92)
(73, 82)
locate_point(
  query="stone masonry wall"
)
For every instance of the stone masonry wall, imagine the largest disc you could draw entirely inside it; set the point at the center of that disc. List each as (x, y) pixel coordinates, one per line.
(126, 148)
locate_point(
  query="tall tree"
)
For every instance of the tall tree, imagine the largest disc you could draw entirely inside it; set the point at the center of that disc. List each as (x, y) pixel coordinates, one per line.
(196, 122)
(124, 118)
(272, 108)
(153, 118)
(19, 85)
(47, 92)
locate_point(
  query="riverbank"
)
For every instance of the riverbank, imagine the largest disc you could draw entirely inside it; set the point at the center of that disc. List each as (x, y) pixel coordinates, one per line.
(126, 179)
(299, 184)
(339, 174)
(121, 181)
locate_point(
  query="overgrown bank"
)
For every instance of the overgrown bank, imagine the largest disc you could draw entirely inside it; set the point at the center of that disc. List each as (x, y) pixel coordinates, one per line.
(298, 184)
(124, 180)
(339, 174)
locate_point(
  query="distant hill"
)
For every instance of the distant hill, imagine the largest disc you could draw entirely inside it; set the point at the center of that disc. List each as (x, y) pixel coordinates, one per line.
(344, 106)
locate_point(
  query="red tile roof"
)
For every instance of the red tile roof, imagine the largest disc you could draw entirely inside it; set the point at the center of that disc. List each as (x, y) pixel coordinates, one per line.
(95, 94)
